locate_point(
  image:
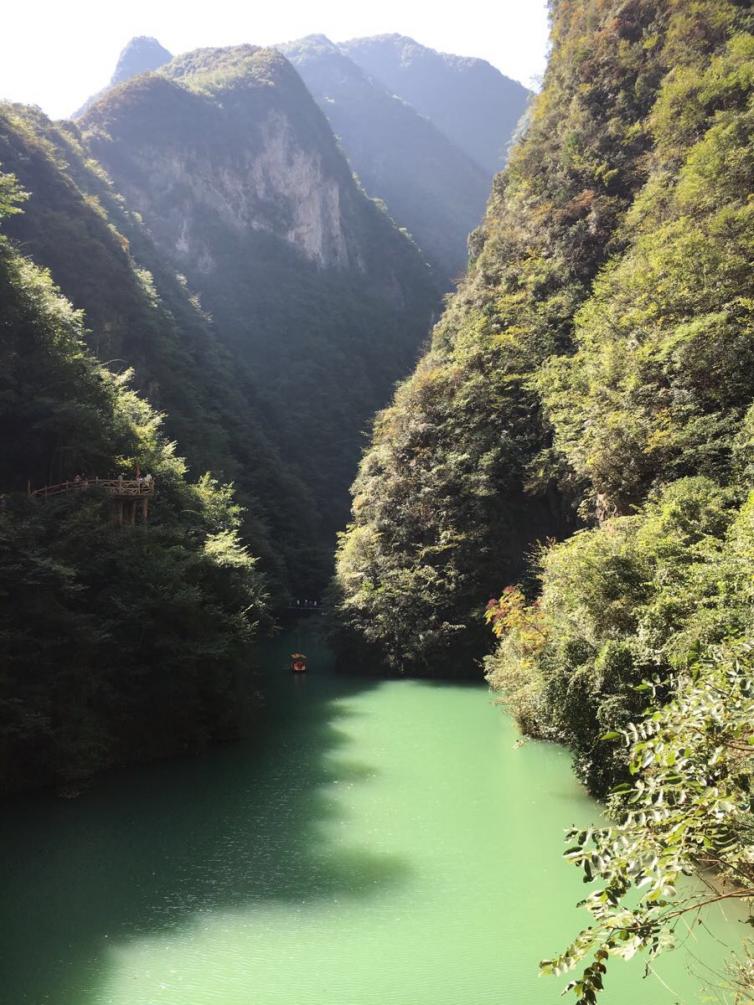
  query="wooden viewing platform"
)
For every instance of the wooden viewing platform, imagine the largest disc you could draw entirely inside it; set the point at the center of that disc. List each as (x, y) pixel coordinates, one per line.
(127, 494)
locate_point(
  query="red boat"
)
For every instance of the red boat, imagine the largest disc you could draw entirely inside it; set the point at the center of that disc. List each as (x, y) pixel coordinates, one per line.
(298, 663)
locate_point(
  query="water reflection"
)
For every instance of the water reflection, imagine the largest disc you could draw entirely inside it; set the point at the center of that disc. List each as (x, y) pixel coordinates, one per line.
(146, 850)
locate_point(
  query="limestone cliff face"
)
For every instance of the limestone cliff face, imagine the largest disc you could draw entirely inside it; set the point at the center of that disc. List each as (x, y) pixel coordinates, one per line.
(277, 187)
(207, 157)
(271, 184)
(428, 183)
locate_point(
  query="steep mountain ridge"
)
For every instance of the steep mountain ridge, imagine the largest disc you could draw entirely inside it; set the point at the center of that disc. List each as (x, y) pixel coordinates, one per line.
(472, 102)
(428, 184)
(242, 188)
(462, 479)
(142, 55)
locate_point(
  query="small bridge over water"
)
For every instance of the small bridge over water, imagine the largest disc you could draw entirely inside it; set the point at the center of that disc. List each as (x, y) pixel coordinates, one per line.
(129, 496)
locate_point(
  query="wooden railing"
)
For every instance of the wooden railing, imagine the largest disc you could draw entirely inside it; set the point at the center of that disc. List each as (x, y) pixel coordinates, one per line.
(114, 486)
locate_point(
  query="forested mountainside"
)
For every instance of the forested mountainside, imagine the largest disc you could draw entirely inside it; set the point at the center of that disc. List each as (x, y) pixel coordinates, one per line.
(139, 314)
(429, 184)
(474, 104)
(241, 186)
(117, 644)
(594, 371)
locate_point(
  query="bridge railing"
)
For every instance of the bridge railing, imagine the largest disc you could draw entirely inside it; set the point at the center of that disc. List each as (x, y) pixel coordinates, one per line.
(115, 486)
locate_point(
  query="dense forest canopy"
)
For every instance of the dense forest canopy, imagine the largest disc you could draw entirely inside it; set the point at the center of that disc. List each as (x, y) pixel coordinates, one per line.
(119, 643)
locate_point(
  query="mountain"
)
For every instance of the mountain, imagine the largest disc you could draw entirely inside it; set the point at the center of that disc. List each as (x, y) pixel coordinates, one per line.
(243, 190)
(429, 185)
(467, 99)
(140, 315)
(549, 394)
(429, 161)
(141, 55)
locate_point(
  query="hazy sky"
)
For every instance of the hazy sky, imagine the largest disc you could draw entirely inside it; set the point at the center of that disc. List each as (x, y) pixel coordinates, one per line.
(55, 53)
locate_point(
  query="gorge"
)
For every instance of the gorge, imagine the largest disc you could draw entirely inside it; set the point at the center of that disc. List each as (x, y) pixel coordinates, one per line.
(519, 326)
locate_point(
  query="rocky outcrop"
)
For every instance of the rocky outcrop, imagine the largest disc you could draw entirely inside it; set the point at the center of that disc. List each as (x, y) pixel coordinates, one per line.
(427, 182)
(142, 55)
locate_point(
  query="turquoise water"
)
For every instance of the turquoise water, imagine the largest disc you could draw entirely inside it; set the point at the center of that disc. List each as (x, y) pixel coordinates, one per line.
(379, 843)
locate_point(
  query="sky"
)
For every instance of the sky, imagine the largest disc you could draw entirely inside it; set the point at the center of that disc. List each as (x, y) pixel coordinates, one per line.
(56, 53)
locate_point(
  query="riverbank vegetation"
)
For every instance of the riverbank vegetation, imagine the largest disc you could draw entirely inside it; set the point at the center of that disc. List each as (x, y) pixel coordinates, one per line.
(581, 430)
(119, 643)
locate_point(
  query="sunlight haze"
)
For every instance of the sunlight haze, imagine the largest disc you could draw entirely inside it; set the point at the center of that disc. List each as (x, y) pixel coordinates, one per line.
(56, 55)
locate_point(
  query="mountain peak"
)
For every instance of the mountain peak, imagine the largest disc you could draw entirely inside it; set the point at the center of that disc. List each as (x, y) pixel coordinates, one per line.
(321, 41)
(141, 55)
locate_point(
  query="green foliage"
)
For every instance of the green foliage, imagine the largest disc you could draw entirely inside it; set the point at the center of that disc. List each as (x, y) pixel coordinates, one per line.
(689, 807)
(618, 604)
(119, 643)
(663, 372)
(428, 535)
(11, 194)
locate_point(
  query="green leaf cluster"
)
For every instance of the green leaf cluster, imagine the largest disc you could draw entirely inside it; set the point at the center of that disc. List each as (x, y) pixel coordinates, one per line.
(689, 807)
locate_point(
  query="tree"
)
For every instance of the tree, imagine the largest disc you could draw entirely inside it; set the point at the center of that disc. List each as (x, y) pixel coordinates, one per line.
(688, 807)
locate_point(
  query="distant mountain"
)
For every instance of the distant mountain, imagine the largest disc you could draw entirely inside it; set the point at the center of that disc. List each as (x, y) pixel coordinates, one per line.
(141, 55)
(429, 185)
(242, 188)
(468, 99)
(424, 131)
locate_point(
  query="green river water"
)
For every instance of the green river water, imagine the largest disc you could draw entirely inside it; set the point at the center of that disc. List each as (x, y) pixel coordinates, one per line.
(379, 843)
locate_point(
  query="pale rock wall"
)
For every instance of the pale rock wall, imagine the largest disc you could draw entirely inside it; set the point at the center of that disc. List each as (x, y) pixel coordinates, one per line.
(276, 186)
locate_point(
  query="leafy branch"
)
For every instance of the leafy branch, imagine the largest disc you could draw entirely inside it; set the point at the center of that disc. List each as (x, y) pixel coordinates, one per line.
(689, 807)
